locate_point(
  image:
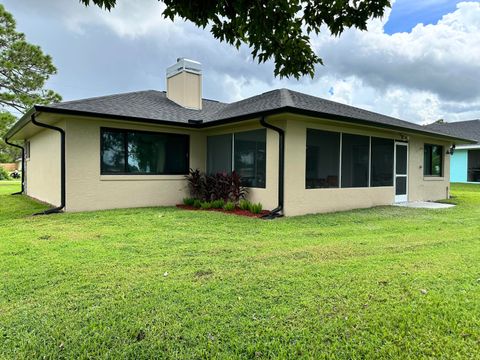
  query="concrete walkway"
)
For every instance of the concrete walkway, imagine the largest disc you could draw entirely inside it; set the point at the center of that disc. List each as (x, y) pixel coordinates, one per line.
(424, 205)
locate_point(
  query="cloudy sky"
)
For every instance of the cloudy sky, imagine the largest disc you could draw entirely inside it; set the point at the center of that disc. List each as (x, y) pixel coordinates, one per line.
(421, 62)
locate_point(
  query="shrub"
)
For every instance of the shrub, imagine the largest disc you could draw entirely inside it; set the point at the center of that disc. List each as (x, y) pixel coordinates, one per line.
(255, 208)
(218, 204)
(244, 205)
(188, 201)
(197, 203)
(221, 186)
(205, 205)
(196, 184)
(4, 174)
(229, 206)
(237, 191)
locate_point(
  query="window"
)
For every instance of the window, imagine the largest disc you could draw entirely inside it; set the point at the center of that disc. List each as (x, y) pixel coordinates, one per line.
(473, 166)
(382, 154)
(355, 160)
(219, 154)
(140, 152)
(323, 159)
(250, 160)
(433, 160)
(248, 151)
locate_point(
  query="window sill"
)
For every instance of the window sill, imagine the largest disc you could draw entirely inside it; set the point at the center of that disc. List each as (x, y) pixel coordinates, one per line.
(353, 188)
(140, 177)
(433, 178)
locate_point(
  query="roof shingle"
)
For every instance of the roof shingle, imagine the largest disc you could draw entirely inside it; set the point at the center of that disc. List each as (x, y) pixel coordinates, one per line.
(154, 106)
(469, 129)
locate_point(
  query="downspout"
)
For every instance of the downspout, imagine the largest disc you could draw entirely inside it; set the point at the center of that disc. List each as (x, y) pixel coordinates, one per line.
(62, 166)
(278, 211)
(23, 165)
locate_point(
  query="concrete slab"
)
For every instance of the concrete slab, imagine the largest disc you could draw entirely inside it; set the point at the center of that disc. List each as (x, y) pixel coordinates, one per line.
(424, 205)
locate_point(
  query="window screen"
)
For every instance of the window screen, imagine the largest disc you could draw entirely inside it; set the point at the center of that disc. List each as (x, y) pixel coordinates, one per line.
(250, 157)
(323, 159)
(139, 152)
(219, 154)
(355, 157)
(433, 160)
(401, 185)
(382, 162)
(474, 165)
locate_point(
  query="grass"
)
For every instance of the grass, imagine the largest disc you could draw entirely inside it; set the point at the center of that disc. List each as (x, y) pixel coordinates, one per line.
(165, 283)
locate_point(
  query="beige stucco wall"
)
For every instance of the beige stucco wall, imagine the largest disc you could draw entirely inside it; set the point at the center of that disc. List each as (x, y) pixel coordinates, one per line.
(88, 190)
(185, 89)
(424, 188)
(43, 166)
(299, 200)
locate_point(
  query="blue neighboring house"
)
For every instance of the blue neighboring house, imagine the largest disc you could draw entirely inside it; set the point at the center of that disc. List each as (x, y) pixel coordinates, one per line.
(465, 161)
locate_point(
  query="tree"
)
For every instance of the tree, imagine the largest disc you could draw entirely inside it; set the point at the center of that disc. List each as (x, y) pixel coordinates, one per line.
(24, 69)
(273, 29)
(7, 153)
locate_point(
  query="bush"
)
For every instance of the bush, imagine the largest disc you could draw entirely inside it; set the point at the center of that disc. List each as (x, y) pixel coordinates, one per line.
(221, 186)
(188, 201)
(244, 205)
(195, 184)
(218, 204)
(229, 206)
(4, 174)
(237, 191)
(255, 208)
(197, 203)
(205, 205)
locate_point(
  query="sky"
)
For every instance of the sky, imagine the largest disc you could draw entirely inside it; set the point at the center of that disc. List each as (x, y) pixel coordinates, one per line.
(420, 62)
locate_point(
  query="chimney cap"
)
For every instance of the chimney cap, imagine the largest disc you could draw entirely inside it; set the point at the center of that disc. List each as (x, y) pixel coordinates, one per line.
(183, 64)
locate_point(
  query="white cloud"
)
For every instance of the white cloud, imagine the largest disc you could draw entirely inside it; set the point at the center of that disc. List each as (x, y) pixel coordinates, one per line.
(429, 73)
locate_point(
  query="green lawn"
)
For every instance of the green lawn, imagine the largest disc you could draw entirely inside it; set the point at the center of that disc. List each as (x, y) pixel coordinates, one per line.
(160, 282)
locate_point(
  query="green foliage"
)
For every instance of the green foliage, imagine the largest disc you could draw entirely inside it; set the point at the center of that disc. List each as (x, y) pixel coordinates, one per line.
(4, 174)
(205, 205)
(188, 201)
(229, 206)
(218, 204)
(24, 69)
(7, 153)
(276, 29)
(244, 205)
(166, 283)
(197, 203)
(221, 186)
(255, 208)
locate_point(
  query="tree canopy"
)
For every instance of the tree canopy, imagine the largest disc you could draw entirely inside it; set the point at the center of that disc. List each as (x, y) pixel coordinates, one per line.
(273, 29)
(24, 69)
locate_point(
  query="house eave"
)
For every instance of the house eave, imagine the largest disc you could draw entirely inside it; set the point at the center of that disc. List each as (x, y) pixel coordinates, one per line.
(197, 125)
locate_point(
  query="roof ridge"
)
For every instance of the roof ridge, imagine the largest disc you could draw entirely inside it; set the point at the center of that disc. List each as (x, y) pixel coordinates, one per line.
(104, 97)
(336, 103)
(286, 97)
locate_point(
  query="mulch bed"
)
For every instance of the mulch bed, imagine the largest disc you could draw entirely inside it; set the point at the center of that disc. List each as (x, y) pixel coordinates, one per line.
(237, 211)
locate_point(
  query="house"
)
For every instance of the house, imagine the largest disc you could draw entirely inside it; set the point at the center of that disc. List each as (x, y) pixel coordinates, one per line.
(296, 153)
(465, 162)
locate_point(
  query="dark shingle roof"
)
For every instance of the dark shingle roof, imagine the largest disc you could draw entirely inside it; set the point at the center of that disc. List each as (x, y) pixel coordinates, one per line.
(149, 104)
(464, 129)
(154, 106)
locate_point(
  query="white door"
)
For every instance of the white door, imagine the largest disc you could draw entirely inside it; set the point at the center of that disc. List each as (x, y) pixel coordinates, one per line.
(401, 172)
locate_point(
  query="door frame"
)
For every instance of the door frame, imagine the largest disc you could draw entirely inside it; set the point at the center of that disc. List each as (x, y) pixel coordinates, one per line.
(403, 197)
